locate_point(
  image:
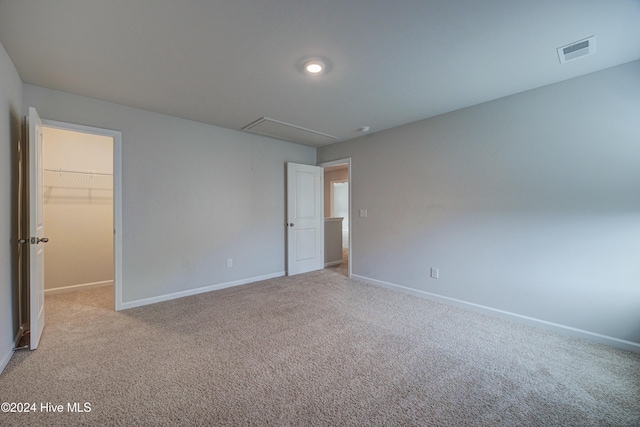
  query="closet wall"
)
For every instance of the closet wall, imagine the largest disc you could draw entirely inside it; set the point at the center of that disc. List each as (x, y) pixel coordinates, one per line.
(78, 209)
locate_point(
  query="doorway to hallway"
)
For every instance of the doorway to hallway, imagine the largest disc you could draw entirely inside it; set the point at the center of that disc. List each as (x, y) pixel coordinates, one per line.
(337, 212)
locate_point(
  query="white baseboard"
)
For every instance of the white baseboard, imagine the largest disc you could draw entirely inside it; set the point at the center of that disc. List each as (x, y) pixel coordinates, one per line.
(82, 286)
(567, 330)
(5, 359)
(181, 294)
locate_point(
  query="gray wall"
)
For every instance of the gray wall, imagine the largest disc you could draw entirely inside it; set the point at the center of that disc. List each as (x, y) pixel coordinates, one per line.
(10, 110)
(194, 195)
(529, 204)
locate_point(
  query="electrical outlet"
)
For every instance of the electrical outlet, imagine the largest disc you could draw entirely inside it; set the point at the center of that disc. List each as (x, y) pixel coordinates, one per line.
(435, 273)
(229, 263)
(363, 213)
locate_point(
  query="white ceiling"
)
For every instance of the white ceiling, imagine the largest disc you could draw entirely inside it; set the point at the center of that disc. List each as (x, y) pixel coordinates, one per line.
(229, 63)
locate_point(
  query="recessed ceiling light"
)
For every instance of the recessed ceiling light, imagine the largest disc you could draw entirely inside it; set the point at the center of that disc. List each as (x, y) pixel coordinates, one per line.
(314, 67)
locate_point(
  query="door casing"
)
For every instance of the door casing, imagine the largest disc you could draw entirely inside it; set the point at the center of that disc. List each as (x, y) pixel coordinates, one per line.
(117, 196)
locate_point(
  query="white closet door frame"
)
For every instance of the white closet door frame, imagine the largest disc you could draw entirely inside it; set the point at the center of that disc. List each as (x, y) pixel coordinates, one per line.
(117, 197)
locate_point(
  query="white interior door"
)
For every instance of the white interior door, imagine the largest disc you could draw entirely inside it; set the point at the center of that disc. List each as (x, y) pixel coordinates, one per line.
(305, 218)
(36, 229)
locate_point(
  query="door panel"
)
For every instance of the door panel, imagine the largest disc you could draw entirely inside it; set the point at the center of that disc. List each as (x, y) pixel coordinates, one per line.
(305, 220)
(305, 207)
(305, 244)
(36, 228)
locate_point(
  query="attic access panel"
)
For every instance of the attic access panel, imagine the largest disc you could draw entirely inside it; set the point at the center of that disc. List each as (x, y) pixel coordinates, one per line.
(288, 132)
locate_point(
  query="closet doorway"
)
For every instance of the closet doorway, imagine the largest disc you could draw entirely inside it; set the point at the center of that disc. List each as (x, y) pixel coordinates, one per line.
(337, 212)
(79, 213)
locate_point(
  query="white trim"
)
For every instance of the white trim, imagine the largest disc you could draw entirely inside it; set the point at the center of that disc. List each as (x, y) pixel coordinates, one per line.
(80, 287)
(5, 359)
(567, 330)
(117, 196)
(117, 221)
(181, 294)
(346, 161)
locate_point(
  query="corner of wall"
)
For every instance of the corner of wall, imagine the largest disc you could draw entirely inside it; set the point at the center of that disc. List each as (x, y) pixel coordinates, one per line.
(11, 88)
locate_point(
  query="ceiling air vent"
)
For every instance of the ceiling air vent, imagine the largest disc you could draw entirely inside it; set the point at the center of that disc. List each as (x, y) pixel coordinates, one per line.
(577, 49)
(288, 132)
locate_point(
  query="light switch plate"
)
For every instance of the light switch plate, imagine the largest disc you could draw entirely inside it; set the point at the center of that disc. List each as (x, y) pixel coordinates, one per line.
(363, 213)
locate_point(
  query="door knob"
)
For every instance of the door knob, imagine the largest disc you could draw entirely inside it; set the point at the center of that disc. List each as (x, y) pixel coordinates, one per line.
(43, 240)
(291, 225)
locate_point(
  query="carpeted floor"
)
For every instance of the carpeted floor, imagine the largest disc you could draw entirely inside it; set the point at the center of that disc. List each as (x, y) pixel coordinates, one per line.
(342, 268)
(314, 349)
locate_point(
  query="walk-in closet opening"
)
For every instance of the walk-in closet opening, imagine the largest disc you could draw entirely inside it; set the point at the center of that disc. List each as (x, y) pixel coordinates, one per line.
(78, 211)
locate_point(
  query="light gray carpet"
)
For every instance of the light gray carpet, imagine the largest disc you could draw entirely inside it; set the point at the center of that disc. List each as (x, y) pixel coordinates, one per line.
(315, 349)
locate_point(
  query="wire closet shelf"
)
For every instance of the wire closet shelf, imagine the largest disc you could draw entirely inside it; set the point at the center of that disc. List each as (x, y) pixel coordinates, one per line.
(65, 178)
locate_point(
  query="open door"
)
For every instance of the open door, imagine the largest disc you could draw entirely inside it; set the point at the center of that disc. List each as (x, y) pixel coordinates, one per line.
(305, 218)
(36, 228)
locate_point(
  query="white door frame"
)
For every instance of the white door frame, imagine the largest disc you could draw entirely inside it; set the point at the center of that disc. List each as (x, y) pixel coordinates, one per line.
(346, 161)
(117, 196)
